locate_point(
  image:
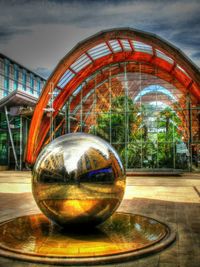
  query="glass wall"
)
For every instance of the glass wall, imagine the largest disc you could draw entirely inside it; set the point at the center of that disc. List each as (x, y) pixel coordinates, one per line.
(151, 122)
(19, 126)
(14, 77)
(3, 140)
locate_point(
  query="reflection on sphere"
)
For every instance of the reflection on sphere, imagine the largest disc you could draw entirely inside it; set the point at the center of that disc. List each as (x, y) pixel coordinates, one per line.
(78, 179)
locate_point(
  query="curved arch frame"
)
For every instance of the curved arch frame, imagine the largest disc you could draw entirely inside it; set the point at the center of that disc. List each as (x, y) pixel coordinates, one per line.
(144, 68)
(182, 69)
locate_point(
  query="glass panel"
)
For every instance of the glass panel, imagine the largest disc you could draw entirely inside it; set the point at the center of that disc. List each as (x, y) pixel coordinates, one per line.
(132, 155)
(139, 46)
(80, 63)
(126, 45)
(3, 148)
(99, 51)
(24, 80)
(16, 77)
(162, 55)
(67, 76)
(196, 157)
(102, 127)
(165, 155)
(182, 156)
(115, 45)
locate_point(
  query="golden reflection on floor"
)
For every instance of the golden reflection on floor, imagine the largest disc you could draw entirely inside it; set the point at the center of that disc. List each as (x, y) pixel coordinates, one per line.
(37, 237)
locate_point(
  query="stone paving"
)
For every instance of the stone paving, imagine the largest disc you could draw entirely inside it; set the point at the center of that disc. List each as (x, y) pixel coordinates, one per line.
(174, 200)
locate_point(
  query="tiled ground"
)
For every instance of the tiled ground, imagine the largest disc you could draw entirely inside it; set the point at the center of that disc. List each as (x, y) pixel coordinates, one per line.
(174, 200)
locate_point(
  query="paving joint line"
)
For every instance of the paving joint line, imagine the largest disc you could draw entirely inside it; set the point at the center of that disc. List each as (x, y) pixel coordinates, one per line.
(197, 191)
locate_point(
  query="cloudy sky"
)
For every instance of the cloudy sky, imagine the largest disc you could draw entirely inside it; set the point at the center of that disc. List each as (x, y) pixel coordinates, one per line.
(38, 33)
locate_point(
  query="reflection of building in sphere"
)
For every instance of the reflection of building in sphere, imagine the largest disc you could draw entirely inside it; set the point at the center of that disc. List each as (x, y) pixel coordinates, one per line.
(94, 165)
(49, 165)
(78, 178)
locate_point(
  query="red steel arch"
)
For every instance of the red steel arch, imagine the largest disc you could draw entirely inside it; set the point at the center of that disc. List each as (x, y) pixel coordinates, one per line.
(98, 51)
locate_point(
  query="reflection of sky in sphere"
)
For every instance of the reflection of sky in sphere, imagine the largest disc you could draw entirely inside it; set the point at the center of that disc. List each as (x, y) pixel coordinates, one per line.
(73, 155)
(50, 152)
(155, 89)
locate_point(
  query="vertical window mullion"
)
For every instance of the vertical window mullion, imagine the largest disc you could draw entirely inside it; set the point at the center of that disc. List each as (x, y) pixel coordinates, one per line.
(6, 77)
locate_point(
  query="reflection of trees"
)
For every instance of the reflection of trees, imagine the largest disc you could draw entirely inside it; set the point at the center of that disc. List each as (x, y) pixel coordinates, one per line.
(140, 133)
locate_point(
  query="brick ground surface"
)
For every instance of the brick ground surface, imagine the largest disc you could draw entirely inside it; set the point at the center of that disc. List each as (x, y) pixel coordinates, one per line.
(174, 200)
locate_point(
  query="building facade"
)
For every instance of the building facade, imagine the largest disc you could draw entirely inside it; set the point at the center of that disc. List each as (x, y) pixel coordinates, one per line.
(19, 91)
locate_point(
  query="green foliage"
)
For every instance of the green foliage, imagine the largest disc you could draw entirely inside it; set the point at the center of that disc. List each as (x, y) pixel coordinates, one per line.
(142, 135)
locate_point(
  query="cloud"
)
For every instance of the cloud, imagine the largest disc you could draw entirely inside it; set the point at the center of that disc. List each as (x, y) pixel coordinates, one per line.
(6, 33)
(196, 55)
(44, 72)
(41, 32)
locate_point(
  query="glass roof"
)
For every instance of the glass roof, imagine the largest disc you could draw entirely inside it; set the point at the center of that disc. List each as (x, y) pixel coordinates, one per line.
(106, 48)
(141, 47)
(80, 63)
(126, 45)
(164, 56)
(67, 76)
(99, 51)
(115, 46)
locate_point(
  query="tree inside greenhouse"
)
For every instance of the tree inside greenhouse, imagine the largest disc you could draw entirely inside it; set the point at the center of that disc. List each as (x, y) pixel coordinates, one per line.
(144, 135)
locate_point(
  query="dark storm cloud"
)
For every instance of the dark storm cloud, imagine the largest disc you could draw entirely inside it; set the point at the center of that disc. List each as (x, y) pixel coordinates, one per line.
(177, 23)
(186, 35)
(196, 55)
(188, 39)
(187, 32)
(68, 22)
(6, 33)
(24, 13)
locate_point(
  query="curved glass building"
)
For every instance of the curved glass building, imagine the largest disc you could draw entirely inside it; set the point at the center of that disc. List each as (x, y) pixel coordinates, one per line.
(133, 89)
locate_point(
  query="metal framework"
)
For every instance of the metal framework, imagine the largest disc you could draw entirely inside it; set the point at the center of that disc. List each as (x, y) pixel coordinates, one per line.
(111, 47)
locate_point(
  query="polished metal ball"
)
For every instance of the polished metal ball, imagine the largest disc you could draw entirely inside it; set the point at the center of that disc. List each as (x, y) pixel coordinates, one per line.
(78, 179)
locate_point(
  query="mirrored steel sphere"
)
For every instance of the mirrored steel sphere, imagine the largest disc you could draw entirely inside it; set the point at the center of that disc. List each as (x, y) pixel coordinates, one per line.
(78, 179)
